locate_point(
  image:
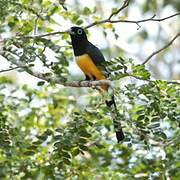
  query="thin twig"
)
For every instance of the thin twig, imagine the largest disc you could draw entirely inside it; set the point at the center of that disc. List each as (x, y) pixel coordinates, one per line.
(6, 70)
(161, 49)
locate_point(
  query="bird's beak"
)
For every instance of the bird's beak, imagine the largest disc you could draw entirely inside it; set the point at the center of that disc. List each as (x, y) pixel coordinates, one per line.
(69, 31)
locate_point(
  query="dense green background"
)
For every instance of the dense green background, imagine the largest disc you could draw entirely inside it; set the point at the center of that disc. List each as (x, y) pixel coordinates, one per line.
(53, 132)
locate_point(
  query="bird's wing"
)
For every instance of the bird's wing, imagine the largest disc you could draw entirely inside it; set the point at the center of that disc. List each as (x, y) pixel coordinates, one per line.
(97, 57)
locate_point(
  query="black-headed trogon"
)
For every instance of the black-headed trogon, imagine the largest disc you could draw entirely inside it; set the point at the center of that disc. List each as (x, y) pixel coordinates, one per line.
(91, 61)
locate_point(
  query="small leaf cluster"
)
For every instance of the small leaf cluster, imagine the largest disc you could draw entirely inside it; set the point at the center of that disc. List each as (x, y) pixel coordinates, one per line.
(120, 67)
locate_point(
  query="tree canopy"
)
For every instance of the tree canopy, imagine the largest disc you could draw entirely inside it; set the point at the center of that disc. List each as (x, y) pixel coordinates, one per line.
(59, 127)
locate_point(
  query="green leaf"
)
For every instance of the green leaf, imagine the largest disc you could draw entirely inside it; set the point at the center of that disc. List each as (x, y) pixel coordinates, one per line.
(84, 148)
(29, 153)
(141, 117)
(86, 11)
(41, 83)
(66, 154)
(140, 71)
(66, 161)
(154, 125)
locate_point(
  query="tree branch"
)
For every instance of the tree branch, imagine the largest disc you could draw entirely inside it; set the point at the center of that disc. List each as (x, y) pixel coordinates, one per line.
(108, 20)
(131, 21)
(6, 70)
(72, 83)
(57, 80)
(161, 49)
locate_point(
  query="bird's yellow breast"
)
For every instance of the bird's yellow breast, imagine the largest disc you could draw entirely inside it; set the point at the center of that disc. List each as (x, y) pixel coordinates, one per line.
(88, 67)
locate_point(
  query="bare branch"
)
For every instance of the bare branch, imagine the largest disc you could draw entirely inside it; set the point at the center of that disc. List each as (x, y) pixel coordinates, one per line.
(145, 20)
(6, 70)
(161, 49)
(108, 20)
(131, 21)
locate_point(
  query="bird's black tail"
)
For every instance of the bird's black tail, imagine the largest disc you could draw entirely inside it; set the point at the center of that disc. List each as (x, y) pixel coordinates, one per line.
(116, 122)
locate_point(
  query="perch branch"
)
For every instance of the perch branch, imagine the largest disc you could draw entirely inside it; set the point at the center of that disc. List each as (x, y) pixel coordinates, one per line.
(57, 80)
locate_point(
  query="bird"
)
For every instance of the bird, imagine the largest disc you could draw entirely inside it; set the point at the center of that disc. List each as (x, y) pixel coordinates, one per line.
(92, 63)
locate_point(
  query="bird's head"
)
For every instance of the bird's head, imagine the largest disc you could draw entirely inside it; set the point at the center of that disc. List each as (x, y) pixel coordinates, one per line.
(77, 33)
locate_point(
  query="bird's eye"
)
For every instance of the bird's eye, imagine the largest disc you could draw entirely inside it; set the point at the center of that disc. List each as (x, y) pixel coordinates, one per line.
(79, 31)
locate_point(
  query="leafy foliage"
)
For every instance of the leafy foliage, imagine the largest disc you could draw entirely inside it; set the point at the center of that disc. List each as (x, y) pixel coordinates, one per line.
(63, 140)
(53, 132)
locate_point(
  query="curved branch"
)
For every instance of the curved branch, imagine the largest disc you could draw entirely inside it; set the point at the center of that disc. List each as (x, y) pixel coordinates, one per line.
(161, 49)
